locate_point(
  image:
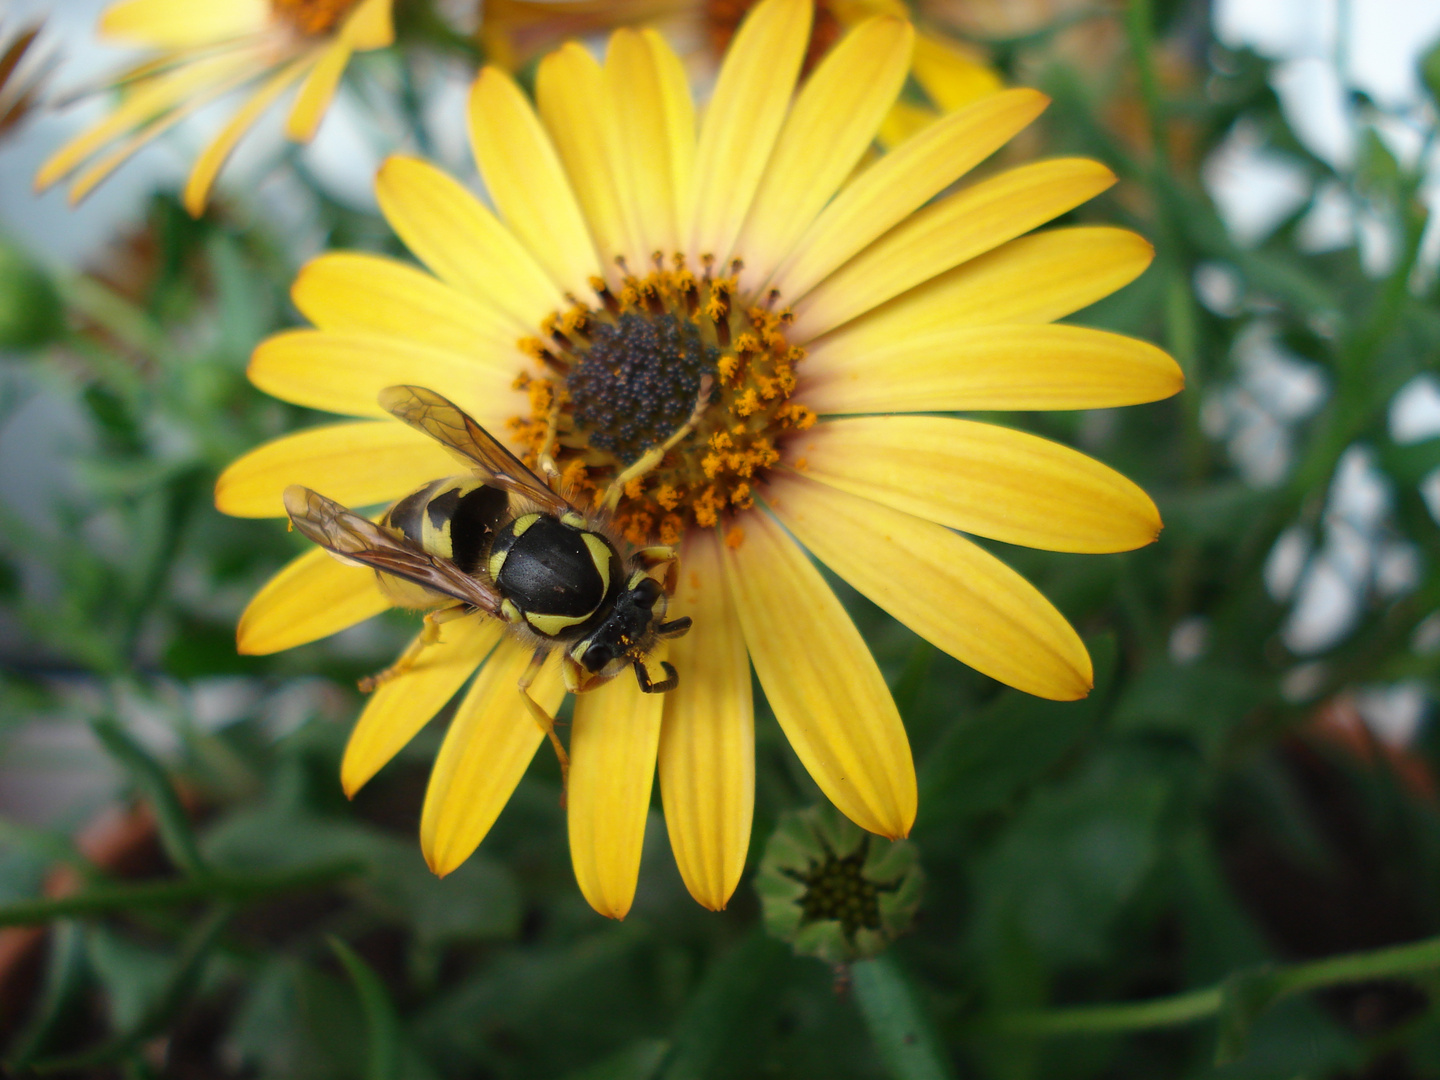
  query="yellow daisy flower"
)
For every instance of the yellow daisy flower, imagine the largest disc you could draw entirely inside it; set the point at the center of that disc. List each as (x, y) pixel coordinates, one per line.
(209, 48)
(629, 249)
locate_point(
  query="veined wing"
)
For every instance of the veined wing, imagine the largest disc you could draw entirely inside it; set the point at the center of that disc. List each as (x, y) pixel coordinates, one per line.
(447, 423)
(354, 536)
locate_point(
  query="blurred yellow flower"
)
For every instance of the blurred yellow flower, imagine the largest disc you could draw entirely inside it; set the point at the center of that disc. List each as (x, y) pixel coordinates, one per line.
(628, 238)
(209, 48)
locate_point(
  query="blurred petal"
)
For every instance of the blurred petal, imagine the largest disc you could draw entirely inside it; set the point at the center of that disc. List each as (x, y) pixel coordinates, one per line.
(207, 165)
(462, 243)
(318, 90)
(612, 767)
(832, 124)
(983, 479)
(901, 182)
(485, 753)
(1035, 279)
(821, 680)
(947, 589)
(959, 227)
(354, 464)
(707, 742)
(523, 174)
(398, 710)
(313, 597)
(351, 290)
(991, 367)
(370, 25)
(949, 77)
(740, 125)
(180, 23)
(344, 373)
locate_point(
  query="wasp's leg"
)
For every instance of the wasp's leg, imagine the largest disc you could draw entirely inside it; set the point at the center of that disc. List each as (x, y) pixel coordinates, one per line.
(658, 555)
(651, 686)
(545, 460)
(656, 454)
(542, 718)
(429, 635)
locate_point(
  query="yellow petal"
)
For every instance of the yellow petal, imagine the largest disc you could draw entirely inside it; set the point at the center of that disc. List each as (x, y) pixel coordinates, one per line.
(1034, 279)
(832, 124)
(313, 597)
(904, 121)
(344, 373)
(983, 479)
(960, 227)
(398, 710)
(522, 172)
(349, 290)
(901, 182)
(354, 464)
(949, 77)
(647, 89)
(179, 23)
(147, 100)
(990, 367)
(318, 90)
(570, 93)
(370, 25)
(947, 589)
(743, 119)
(207, 165)
(707, 742)
(612, 766)
(821, 680)
(485, 753)
(461, 241)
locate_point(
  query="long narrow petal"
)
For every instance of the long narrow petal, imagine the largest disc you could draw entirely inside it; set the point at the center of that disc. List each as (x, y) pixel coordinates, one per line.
(832, 124)
(901, 182)
(318, 90)
(313, 597)
(1035, 279)
(950, 78)
(146, 101)
(960, 227)
(485, 753)
(370, 25)
(821, 680)
(648, 93)
(947, 589)
(523, 174)
(350, 290)
(344, 373)
(743, 119)
(612, 750)
(707, 742)
(398, 710)
(570, 93)
(362, 464)
(207, 165)
(991, 367)
(461, 241)
(171, 24)
(983, 479)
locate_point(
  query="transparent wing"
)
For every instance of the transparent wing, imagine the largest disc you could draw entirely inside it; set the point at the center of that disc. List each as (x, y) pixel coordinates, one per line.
(356, 537)
(447, 423)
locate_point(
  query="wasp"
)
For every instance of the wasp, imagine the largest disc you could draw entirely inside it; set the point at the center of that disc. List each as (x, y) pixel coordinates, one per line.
(499, 540)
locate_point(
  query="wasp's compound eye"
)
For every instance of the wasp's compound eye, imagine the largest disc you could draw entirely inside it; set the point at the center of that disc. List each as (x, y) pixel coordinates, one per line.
(646, 593)
(597, 656)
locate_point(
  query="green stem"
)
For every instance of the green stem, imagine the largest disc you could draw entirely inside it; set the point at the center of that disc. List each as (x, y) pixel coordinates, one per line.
(220, 885)
(1398, 961)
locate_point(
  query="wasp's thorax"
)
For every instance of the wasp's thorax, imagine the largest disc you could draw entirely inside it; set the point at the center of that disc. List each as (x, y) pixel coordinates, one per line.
(626, 373)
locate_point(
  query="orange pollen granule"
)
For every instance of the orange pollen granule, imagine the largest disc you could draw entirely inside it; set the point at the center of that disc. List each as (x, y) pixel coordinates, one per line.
(311, 16)
(662, 354)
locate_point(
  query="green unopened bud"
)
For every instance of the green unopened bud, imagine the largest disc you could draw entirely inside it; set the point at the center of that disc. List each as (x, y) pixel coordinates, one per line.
(30, 311)
(835, 891)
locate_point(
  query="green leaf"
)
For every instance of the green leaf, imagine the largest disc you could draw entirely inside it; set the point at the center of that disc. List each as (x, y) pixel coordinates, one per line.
(174, 824)
(904, 1038)
(715, 1035)
(1243, 997)
(64, 980)
(382, 1026)
(1430, 72)
(641, 1060)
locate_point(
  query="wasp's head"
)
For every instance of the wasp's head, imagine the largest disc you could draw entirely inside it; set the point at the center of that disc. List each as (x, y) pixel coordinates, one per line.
(626, 637)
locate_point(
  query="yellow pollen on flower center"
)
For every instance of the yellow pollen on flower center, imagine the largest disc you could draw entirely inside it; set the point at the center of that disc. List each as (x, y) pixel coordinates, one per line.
(624, 376)
(311, 16)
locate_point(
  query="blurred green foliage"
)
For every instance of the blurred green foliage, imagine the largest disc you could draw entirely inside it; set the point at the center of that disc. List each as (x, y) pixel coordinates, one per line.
(1175, 840)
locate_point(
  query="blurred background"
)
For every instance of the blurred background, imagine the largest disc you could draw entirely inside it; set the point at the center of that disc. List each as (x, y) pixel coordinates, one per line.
(1250, 789)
